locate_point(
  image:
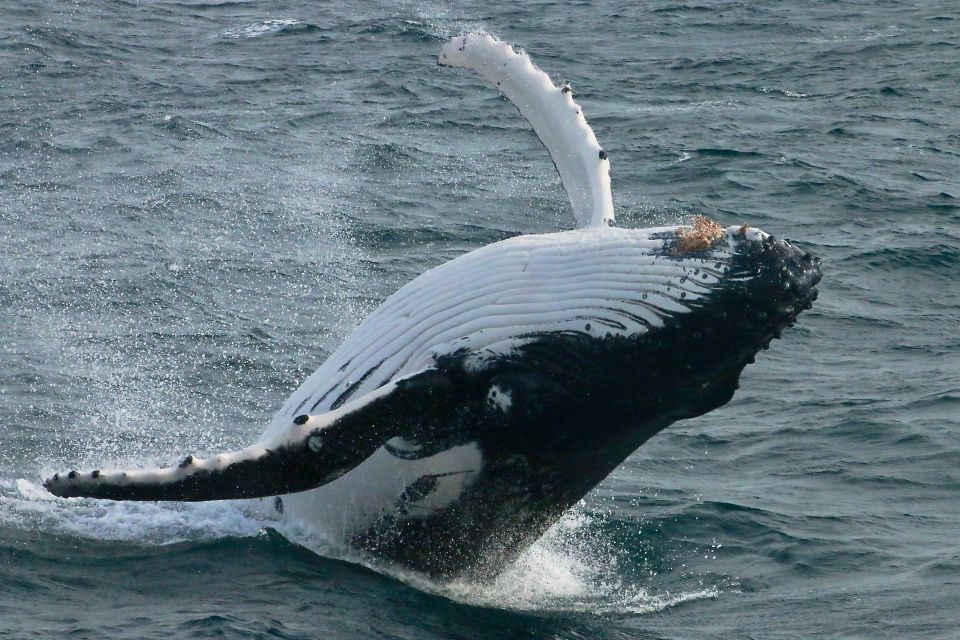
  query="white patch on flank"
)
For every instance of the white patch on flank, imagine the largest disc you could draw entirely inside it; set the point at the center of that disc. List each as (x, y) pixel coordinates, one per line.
(407, 447)
(346, 506)
(499, 398)
(750, 233)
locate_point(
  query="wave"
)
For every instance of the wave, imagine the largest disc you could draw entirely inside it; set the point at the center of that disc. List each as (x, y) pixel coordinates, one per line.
(268, 27)
(726, 153)
(939, 258)
(186, 129)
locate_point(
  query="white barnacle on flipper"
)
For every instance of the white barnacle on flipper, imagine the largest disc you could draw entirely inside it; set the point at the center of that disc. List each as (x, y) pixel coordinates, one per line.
(559, 122)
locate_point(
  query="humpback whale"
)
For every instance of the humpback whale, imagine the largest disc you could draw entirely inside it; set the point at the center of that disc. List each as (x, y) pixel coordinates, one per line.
(487, 396)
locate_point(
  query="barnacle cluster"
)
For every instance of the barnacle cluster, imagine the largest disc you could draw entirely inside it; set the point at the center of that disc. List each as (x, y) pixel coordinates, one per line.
(700, 235)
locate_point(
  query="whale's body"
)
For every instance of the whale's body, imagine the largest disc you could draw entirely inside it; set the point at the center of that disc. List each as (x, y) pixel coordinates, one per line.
(491, 393)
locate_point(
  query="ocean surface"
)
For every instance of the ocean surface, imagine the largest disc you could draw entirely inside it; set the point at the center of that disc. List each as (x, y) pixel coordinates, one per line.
(199, 201)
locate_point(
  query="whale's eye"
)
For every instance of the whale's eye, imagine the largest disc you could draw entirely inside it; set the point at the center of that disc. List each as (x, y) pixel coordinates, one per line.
(315, 443)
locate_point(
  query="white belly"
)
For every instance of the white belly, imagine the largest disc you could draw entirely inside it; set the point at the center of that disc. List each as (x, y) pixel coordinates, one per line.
(376, 488)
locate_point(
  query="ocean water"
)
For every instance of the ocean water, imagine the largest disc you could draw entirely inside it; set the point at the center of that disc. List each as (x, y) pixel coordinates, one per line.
(198, 201)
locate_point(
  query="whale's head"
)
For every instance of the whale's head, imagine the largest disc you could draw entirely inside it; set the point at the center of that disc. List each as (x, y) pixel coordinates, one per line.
(765, 282)
(642, 327)
(740, 288)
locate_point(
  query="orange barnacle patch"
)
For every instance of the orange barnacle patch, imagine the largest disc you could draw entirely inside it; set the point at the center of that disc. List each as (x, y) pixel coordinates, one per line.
(698, 236)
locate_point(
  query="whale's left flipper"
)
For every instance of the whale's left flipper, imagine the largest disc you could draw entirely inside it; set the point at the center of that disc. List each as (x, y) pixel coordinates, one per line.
(314, 451)
(558, 121)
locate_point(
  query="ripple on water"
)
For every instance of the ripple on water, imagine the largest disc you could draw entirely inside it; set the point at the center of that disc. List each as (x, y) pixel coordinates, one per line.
(267, 27)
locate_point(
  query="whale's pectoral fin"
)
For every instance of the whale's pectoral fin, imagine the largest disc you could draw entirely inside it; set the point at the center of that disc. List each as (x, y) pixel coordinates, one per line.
(558, 121)
(313, 451)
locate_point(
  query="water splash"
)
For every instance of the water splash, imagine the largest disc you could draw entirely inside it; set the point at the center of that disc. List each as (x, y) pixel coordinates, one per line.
(27, 505)
(575, 567)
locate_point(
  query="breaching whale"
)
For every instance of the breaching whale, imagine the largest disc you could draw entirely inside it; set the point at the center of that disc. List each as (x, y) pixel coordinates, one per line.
(487, 396)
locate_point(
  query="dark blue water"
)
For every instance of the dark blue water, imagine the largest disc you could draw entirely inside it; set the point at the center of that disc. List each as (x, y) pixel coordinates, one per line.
(199, 201)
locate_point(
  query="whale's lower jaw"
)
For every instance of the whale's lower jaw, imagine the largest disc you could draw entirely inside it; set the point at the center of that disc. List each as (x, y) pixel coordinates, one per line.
(579, 407)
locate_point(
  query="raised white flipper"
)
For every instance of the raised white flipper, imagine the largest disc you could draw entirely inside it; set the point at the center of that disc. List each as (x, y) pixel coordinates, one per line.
(313, 451)
(582, 164)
